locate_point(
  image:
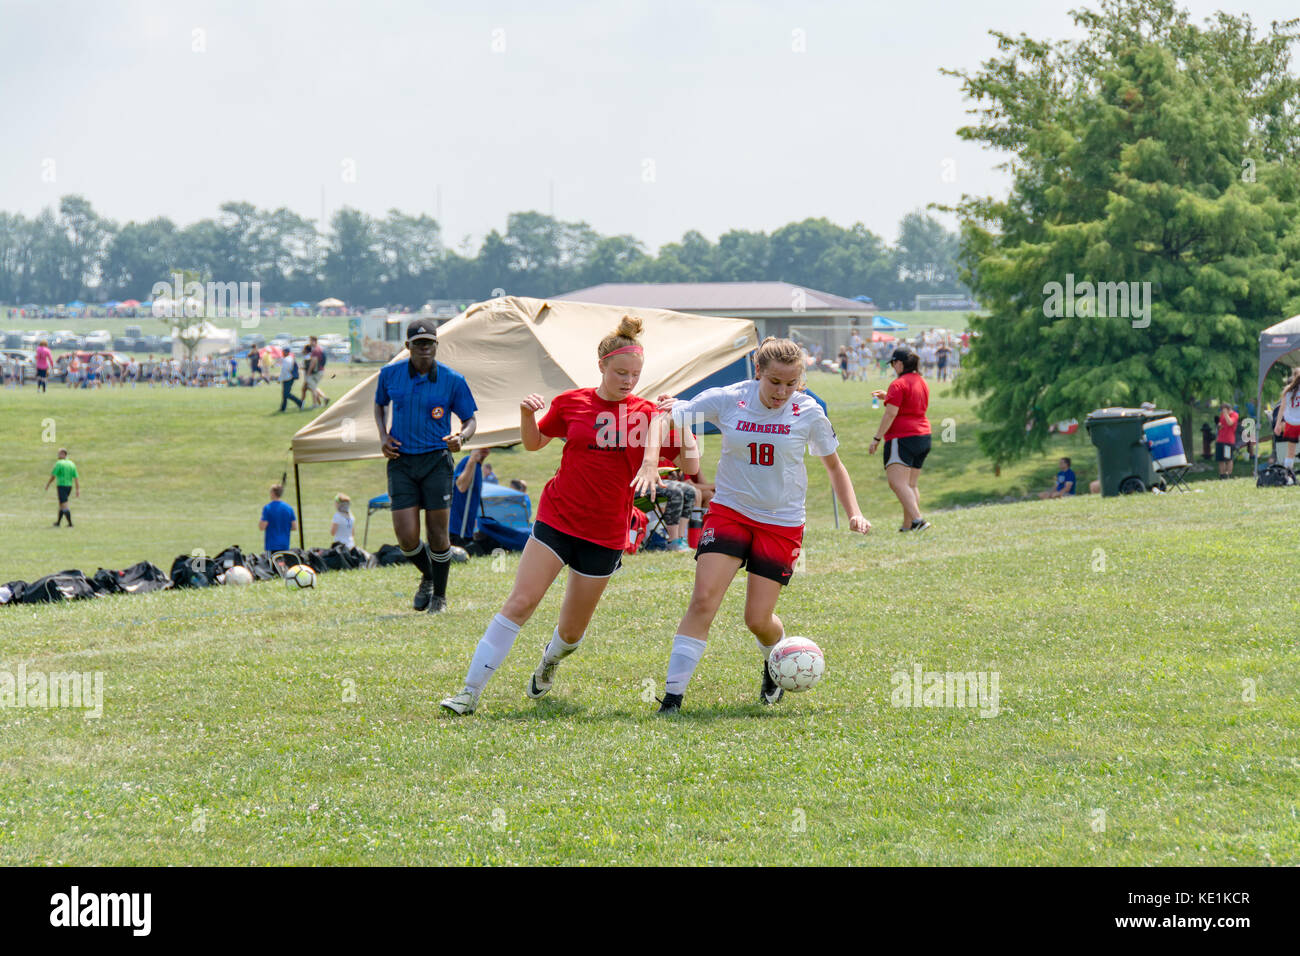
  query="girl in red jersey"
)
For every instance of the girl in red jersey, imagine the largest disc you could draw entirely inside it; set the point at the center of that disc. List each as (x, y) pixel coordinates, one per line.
(582, 517)
(756, 519)
(906, 433)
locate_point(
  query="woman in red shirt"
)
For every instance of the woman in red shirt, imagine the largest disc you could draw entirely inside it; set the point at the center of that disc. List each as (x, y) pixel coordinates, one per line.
(583, 514)
(906, 433)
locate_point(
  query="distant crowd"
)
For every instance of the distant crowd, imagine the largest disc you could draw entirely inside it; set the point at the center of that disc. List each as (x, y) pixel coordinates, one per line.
(940, 354)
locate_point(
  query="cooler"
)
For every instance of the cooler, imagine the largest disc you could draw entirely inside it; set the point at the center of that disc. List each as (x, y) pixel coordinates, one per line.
(1165, 439)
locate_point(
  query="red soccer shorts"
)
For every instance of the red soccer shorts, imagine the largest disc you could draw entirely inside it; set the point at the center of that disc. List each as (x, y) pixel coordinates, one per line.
(768, 550)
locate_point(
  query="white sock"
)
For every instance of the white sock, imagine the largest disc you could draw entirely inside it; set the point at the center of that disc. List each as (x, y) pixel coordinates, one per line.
(764, 649)
(1290, 463)
(686, 653)
(559, 648)
(492, 649)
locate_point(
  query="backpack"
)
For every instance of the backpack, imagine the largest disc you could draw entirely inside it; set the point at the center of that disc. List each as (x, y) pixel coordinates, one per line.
(389, 554)
(636, 531)
(191, 572)
(1275, 476)
(294, 377)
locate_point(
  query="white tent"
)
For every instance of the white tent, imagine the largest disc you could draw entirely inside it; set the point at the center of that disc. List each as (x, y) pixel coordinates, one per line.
(510, 347)
(211, 341)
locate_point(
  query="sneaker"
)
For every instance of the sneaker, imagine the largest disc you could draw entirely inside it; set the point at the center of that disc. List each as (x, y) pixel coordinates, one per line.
(920, 524)
(539, 683)
(670, 703)
(438, 604)
(424, 596)
(770, 691)
(679, 544)
(462, 704)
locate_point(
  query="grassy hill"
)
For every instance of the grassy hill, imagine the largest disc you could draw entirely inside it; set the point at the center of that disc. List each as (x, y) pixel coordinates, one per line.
(1147, 709)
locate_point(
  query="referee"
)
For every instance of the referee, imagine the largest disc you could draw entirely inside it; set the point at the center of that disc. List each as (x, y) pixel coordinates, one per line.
(424, 394)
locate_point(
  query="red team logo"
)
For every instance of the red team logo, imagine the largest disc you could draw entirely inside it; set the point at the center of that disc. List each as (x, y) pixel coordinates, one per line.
(794, 409)
(707, 537)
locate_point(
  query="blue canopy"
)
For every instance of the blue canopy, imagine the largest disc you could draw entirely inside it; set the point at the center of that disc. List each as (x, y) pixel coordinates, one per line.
(300, 305)
(78, 304)
(886, 324)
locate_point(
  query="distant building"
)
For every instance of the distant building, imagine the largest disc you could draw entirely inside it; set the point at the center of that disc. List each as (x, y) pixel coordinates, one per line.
(774, 307)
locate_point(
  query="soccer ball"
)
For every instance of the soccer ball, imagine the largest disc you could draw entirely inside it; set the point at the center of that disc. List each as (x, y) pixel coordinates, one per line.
(239, 575)
(796, 663)
(300, 576)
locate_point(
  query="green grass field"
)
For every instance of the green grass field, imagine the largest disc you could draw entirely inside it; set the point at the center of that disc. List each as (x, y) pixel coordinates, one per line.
(1147, 709)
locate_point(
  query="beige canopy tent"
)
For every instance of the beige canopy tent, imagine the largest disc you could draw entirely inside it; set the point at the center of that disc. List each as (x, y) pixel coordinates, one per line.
(512, 346)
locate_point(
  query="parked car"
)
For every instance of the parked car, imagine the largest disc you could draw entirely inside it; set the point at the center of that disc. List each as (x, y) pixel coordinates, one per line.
(124, 345)
(65, 339)
(255, 340)
(26, 357)
(13, 340)
(133, 332)
(98, 339)
(34, 338)
(148, 343)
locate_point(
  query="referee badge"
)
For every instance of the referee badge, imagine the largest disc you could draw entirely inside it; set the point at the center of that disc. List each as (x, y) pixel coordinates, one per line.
(438, 412)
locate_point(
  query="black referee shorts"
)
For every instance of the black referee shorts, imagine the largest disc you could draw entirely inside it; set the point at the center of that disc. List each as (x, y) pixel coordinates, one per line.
(64, 491)
(420, 481)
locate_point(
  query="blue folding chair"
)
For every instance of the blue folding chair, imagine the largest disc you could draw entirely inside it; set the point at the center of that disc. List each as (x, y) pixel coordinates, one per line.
(380, 503)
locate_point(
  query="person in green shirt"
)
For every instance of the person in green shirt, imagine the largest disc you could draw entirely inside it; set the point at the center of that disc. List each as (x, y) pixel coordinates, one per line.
(65, 473)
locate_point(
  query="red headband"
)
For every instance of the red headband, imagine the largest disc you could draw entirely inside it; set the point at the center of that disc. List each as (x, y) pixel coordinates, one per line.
(626, 348)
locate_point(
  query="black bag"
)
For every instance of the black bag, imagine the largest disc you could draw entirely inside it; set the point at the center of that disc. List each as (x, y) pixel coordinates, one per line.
(1275, 476)
(364, 558)
(229, 558)
(191, 572)
(142, 578)
(340, 557)
(12, 593)
(263, 567)
(64, 586)
(390, 554)
(316, 560)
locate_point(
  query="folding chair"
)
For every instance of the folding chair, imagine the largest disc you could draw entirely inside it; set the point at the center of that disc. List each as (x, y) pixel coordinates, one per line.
(1176, 475)
(654, 509)
(379, 503)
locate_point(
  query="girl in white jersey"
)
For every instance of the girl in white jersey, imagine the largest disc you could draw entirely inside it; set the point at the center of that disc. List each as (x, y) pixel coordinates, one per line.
(756, 519)
(1288, 423)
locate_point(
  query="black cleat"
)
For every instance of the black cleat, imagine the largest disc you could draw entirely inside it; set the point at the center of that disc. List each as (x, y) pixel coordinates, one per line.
(424, 596)
(770, 692)
(670, 703)
(920, 524)
(438, 604)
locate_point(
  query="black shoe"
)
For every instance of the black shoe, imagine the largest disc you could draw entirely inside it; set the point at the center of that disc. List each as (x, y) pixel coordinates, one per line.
(920, 524)
(670, 703)
(424, 596)
(770, 692)
(438, 604)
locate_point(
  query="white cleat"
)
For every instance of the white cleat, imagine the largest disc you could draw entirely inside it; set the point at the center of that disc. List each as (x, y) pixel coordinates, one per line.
(463, 703)
(539, 683)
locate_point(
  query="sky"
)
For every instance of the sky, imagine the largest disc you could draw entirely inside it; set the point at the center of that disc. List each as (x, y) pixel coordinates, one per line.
(640, 117)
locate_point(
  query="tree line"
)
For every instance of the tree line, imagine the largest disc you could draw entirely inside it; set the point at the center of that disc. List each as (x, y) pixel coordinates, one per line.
(74, 253)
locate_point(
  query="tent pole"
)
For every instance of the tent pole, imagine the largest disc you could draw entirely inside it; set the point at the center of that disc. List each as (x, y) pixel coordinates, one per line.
(297, 490)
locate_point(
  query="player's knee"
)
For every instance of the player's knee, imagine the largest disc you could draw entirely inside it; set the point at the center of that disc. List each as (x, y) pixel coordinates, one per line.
(520, 607)
(758, 624)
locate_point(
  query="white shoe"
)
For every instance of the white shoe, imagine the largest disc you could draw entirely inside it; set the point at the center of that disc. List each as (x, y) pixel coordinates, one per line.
(539, 684)
(463, 703)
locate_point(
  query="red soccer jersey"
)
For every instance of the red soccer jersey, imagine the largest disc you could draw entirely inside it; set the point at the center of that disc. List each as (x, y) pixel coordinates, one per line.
(590, 496)
(1228, 426)
(911, 396)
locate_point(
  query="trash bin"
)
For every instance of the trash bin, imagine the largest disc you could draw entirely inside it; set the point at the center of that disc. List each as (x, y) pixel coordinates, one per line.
(1123, 454)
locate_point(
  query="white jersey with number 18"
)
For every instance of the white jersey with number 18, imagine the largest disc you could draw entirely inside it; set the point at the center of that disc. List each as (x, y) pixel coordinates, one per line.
(761, 472)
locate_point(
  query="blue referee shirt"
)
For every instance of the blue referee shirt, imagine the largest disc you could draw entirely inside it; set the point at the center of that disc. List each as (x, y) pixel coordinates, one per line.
(423, 404)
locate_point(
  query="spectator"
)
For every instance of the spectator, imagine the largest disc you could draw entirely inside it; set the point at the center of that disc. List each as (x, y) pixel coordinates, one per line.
(1227, 439)
(288, 372)
(342, 522)
(466, 493)
(1287, 425)
(277, 521)
(1066, 482)
(255, 362)
(941, 355)
(489, 475)
(518, 484)
(315, 361)
(906, 434)
(680, 495)
(844, 364)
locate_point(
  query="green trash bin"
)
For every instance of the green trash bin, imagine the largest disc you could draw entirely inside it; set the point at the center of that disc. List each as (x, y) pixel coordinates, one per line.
(1123, 455)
